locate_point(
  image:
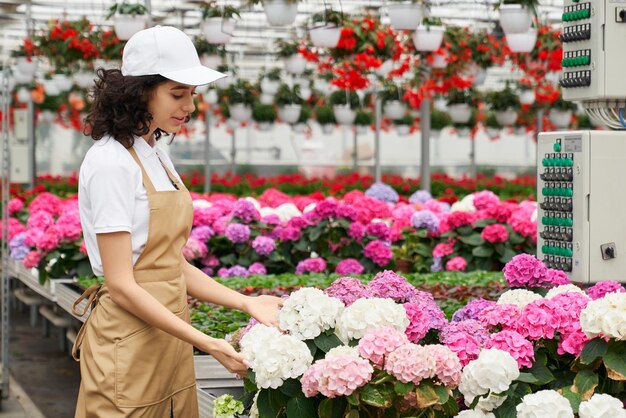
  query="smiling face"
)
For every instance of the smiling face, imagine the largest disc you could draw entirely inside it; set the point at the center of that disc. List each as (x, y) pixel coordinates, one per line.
(171, 105)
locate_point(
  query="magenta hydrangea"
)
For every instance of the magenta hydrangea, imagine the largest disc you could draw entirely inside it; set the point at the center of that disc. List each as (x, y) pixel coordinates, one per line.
(311, 265)
(555, 277)
(448, 367)
(245, 211)
(468, 326)
(378, 252)
(495, 233)
(598, 290)
(456, 264)
(49, 240)
(39, 220)
(390, 285)
(524, 270)
(272, 219)
(465, 346)
(472, 309)
(377, 344)
(257, 268)
(337, 376)
(15, 205)
(347, 212)
(46, 202)
(326, 209)
(356, 231)
(572, 343)
(571, 305)
(410, 363)
(349, 266)
(443, 249)
(500, 316)
(237, 233)
(263, 245)
(419, 322)
(288, 233)
(347, 290)
(515, 344)
(379, 230)
(540, 319)
(32, 259)
(485, 199)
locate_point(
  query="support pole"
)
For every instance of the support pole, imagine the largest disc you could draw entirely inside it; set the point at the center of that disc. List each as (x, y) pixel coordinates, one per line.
(425, 145)
(233, 151)
(207, 151)
(32, 141)
(355, 153)
(378, 117)
(148, 5)
(473, 170)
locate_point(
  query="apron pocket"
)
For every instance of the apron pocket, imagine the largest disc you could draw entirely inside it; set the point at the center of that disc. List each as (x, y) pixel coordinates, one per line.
(144, 364)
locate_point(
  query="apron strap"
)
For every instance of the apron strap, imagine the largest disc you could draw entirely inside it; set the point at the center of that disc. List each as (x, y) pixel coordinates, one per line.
(92, 300)
(147, 183)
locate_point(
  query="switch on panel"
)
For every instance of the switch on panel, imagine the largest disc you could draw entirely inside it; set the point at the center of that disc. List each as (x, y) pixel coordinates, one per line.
(620, 15)
(608, 251)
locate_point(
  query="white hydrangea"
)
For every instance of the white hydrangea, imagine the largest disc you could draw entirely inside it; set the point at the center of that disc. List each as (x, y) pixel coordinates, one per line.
(492, 372)
(309, 207)
(564, 288)
(343, 350)
(254, 409)
(519, 297)
(273, 356)
(602, 405)
(470, 413)
(464, 205)
(544, 404)
(201, 203)
(365, 315)
(286, 211)
(255, 202)
(308, 312)
(605, 316)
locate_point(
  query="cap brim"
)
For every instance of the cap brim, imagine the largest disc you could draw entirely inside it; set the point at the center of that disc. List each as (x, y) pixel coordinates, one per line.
(196, 76)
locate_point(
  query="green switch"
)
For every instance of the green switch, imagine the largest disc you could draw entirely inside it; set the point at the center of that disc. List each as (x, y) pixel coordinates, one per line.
(557, 147)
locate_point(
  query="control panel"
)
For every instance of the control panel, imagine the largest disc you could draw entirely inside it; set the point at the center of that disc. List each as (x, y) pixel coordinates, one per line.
(580, 229)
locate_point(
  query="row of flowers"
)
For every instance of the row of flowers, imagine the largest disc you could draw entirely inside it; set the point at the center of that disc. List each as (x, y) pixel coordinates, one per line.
(546, 348)
(357, 234)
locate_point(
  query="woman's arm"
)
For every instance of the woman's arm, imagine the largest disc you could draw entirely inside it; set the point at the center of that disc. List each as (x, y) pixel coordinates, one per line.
(263, 308)
(116, 254)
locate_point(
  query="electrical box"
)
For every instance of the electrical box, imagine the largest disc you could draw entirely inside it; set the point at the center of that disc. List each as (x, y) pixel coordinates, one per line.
(593, 35)
(21, 170)
(581, 227)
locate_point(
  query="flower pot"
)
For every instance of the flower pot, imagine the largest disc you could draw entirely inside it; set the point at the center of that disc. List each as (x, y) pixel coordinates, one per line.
(210, 97)
(560, 118)
(265, 126)
(323, 86)
(428, 38)
(362, 129)
(404, 16)
(403, 130)
(232, 123)
(127, 25)
(439, 61)
(240, 112)
(514, 18)
(480, 77)
(299, 127)
(280, 12)
(26, 66)
(492, 133)
(211, 60)
(394, 109)
(295, 64)
(327, 128)
(344, 115)
(553, 77)
(269, 86)
(463, 132)
(506, 117)
(527, 97)
(435, 133)
(305, 93)
(20, 78)
(63, 82)
(403, 266)
(460, 113)
(47, 117)
(50, 87)
(325, 36)
(384, 68)
(266, 98)
(522, 42)
(440, 104)
(520, 130)
(289, 113)
(217, 30)
(84, 79)
(23, 95)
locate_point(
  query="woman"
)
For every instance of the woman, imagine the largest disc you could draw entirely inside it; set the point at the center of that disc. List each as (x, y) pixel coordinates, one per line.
(136, 354)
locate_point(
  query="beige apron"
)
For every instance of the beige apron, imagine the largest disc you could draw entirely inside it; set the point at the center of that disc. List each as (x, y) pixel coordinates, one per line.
(129, 368)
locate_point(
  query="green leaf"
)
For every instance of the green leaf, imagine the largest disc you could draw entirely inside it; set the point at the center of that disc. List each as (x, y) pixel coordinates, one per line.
(465, 230)
(507, 409)
(451, 408)
(592, 350)
(573, 398)
(312, 347)
(332, 408)
(263, 403)
(315, 233)
(249, 383)
(353, 398)
(509, 253)
(374, 396)
(426, 395)
(474, 240)
(614, 361)
(527, 378)
(402, 389)
(229, 260)
(327, 342)
(291, 388)
(515, 238)
(541, 373)
(382, 378)
(585, 383)
(442, 393)
(482, 251)
(301, 407)
(481, 223)
(422, 232)
(352, 414)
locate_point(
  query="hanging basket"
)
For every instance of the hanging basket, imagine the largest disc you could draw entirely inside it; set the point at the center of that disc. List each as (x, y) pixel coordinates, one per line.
(295, 64)
(84, 79)
(63, 82)
(428, 38)
(362, 129)
(22, 95)
(240, 112)
(492, 133)
(217, 30)
(506, 117)
(26, 67)
(305, 93)
(265, 126)
(560, 118)
(211, 60)
(527, 97)
(280, 12)
(439, 61)
(404, 16)
(441, 105)
(325, 36)
(522, 42)
(394, 109)
(480, 77)
(385, 68)
(403, 130)
(323, 86)
(460, 113)
(289, 113)
(210, 97)
(50, 87)
(344, 115)
(128, 25)
(299, 127)
(269, 86)
(514, 18)
(327, 128)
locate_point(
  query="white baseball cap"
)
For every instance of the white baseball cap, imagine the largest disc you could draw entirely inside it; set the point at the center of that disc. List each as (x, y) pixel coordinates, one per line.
(167, 51)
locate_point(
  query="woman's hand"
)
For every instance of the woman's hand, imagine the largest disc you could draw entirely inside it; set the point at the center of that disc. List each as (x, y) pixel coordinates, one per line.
(264, 309)
(226, 355)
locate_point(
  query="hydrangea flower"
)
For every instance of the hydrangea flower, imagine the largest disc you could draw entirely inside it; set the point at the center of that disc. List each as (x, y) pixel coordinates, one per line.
(245, 211)
(468, 326)
(226, 406)
(598, 290)
(515, 344)
(419, 322)
(504, 316)
(605, 317)
(237, 233)
(472, 309)
(425, 219)
(347, 290)
(17, 248)
(465, 346)
(410, 363)
(263, 245)
(337, 376)
(308, 312)
(349, 266)
(471, 413)
(388, 284)
(378, 252)
(447, 365)
(365, 315)
(495, 233)
(382, 192)
(194, 248)
(377, 344)
(456, 264)
(545, 403)
(524, 270)
(602, 405)
(15, 205)
(518, 297)
(342, 350)
(443, 249)
(311, 265)
(420, 196)
(202, 233)
(326, 209)
(485, 199)
(257, 268)
(379, 230)
(540, 319)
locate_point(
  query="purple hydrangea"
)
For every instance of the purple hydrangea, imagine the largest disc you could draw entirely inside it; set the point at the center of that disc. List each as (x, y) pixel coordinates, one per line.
(425, 219)
(378, 229)
(202, 233)
(382, 192)
(347, 290)
(237, 233)
(437, 317)
(207, 270)
(437, 265)
(257, 268)
(468, 326)
(388, 284)
(420, 196)
(235, 271)
(263, 245)
(245, 211)
(17, 248)
(472, 310)
(349, 266)
(422, 298)
(311, 265)
(271, 219)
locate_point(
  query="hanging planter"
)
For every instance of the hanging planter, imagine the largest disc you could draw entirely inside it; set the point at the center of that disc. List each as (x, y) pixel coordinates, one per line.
(26, 66)
(522, 42)
(22, 95)
(325, 36)
(460, 112)
(211, 60)
(305, 93)
(520, 131)
(295, 64)
(63, 82)
(210, 97)
(128, 25)
(463, 132)
(506, 117)
(440, 104)
(439, 61)
(527, 97)
(240, 112)
(394, 109)
(344, 114)
(384, 68)
(327, 129)
(560, 118)
(280, 12)
(404, 16)
(265, 126)
(403, 130)
(514, 18)
(266, 98)
(50, 87)
(323, 86)
(217, 30)
(84, 79)
(480, 77)
(428, 38)
(361, 129)
(492, 133)
(269, 86)
(289, 113)
(300, 127)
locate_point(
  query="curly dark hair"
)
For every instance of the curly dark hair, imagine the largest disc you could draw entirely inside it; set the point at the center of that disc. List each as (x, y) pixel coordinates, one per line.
(120, 106)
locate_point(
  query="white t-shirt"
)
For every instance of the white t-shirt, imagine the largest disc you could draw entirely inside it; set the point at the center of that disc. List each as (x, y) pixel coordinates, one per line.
(111, 195)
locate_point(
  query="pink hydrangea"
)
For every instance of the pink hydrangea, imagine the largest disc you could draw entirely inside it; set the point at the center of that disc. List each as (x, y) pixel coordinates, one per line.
(257, 268)
(289, 233)
(540, 319)
(377, 344)
(571, 305)
(326, 209)
(456, 264)
(32, 235)
(15, 205)
(194, 249)
(520, 221)
(485, 199)
(501, 212)
(210, 261)
(347, 212)
(515, 344)
(356, 231)
(495, 233)
(337, 376)
(245, 211)
(69, 232)
(468, 326)
(598, 290)
(46, 202)
(206, 216)
(390, 285)
(379, 230)
(221, 223)
(524, 270)
(447, 365)
(500, 316)
(263, 245)
(271, 219)
(465, 346)
(349, 266)
(237, 233)
(378, 252)
(410, 363)
(459, 219)
(15, 228)
(49, 240)
(32, 259)
(443, 249)
(347, 290)
(572, 343)
(419, 322)
(39, 220)
(311, 265)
